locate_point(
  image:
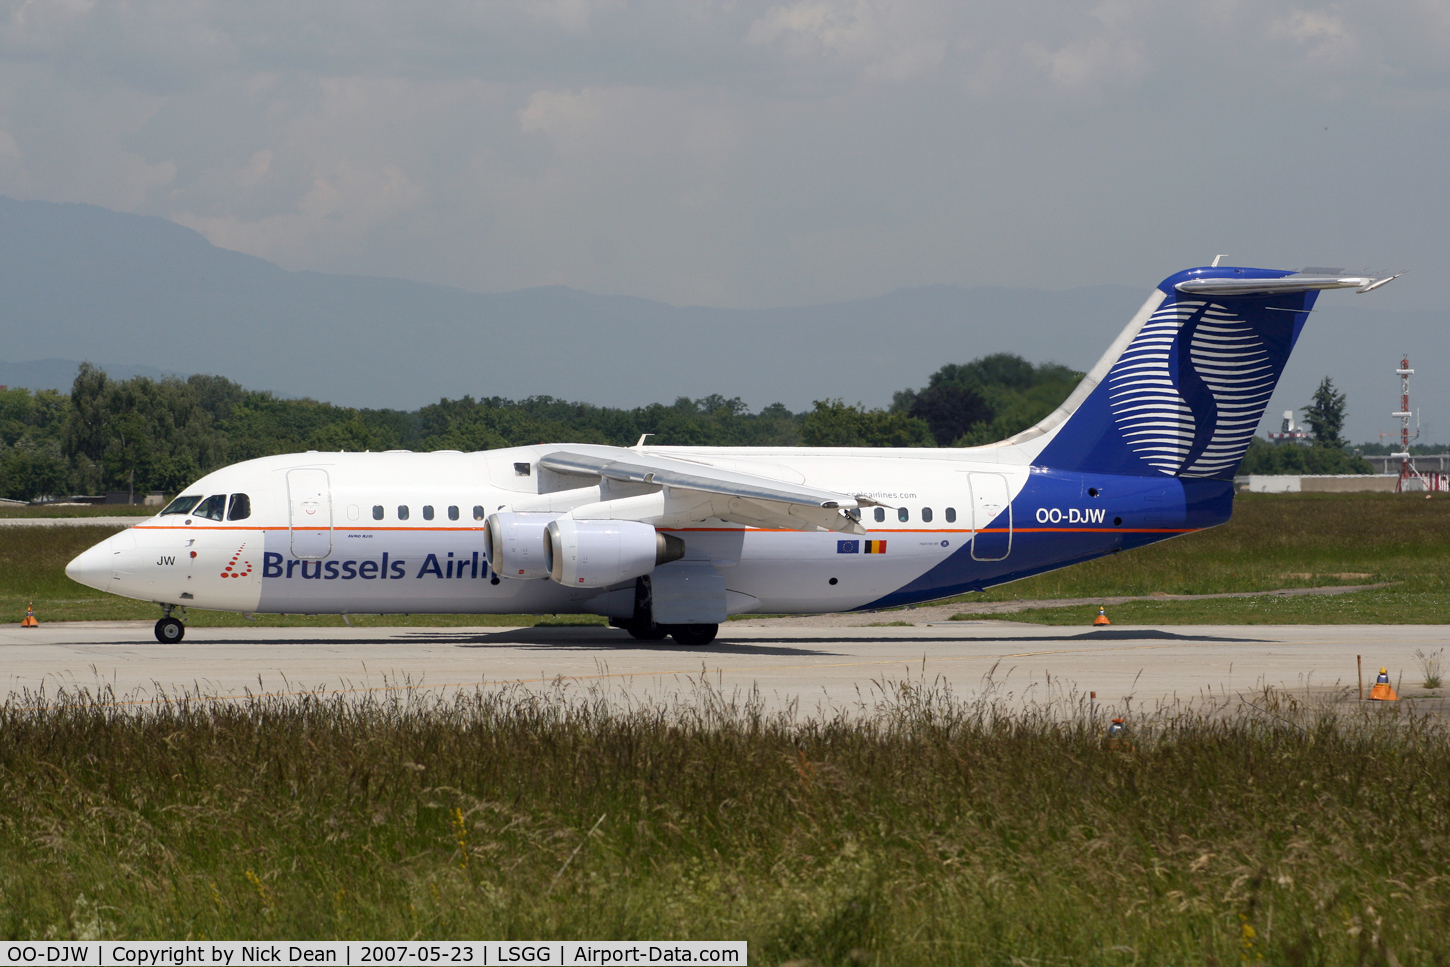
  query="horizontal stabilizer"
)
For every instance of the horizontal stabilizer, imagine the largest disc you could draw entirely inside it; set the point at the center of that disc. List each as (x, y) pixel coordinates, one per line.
(1298, 282)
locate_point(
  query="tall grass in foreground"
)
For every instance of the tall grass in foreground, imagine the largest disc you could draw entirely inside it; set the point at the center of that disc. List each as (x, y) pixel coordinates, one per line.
(917, 829)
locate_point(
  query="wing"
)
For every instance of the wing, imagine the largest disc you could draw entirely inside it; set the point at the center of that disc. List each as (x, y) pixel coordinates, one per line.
(674, 491)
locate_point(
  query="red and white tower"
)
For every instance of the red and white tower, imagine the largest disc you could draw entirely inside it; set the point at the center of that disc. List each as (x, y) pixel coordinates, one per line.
(1406, 470)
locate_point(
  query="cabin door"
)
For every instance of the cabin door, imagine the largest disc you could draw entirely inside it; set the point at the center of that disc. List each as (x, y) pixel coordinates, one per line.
(991, 516)
(309, 500)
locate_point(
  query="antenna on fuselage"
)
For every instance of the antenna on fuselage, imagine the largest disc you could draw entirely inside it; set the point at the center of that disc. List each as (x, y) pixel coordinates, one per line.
(1216, 258)
(642, 438)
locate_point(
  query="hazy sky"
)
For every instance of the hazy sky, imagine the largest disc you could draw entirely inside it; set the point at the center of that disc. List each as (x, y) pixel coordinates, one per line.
(749, 154)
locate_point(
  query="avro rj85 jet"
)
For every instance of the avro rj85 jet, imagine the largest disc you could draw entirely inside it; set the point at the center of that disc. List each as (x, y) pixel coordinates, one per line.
(672, 540)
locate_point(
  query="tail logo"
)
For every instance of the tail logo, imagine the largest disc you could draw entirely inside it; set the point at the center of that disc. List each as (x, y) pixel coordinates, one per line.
(1189, 391)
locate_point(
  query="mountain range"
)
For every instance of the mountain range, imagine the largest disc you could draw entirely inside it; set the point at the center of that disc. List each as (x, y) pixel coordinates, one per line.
(140, 295)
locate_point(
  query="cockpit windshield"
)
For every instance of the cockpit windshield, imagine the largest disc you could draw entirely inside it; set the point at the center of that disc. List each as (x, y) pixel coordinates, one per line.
(213, 508)
(181, 505)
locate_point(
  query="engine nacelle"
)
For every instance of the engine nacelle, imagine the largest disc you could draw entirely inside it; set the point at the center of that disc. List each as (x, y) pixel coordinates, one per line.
(598, 553)
(518, 546)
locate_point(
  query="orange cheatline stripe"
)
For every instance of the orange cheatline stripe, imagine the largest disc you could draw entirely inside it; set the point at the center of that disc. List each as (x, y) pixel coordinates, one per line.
(255, 527)
(1095, 530)
(760, 530)
(687, 530)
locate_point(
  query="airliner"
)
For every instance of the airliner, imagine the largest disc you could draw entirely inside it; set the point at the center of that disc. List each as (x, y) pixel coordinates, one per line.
(670, 541)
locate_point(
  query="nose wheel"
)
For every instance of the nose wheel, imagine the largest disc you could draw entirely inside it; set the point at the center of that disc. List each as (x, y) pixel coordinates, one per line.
(169, 631)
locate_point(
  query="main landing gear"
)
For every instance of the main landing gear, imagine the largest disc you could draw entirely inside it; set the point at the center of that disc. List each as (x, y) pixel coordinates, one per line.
(647, 632)
(694, 634)
(169, 630)
(684, 634)
(641, 625)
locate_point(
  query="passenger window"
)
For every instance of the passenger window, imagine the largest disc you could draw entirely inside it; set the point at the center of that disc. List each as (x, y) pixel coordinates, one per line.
(902, 514)
(926, 515)
(181, 505)
(377, 511)
(478, 512)
(880, 514)
(241, 507)
(353, 512)
(402, 512)
(427, 511)
(951, 515)
(452, 512)
(213, 508)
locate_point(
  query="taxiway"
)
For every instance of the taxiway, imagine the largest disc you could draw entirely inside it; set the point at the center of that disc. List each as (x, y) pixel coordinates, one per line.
(815, 668)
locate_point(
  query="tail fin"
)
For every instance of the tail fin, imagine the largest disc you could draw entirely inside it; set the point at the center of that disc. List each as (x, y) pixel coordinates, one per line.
(1182, 389)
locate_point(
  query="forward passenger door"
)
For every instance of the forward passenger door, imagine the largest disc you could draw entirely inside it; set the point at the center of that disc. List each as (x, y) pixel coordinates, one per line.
(309, 500)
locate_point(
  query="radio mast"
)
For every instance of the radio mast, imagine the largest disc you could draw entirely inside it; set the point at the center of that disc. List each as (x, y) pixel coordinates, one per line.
(1406, 471)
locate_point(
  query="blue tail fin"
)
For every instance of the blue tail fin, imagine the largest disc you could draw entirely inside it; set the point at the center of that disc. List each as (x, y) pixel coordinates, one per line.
(1183, 388)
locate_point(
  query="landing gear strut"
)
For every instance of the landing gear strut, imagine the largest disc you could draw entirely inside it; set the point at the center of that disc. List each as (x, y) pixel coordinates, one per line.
(169, 630)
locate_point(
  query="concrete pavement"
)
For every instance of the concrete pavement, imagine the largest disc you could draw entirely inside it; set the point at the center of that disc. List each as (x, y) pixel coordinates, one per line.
(816, 668)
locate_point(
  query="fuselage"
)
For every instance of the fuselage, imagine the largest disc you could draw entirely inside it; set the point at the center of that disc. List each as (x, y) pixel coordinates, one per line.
(401, 532)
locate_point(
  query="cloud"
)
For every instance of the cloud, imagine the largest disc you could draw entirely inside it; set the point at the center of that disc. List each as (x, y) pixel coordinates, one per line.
(1090, 64)
(741, 152)
(560, 114)
(892, 42)
(1322, 37)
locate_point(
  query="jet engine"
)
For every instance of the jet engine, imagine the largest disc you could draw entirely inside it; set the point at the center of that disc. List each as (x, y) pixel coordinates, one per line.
(518, 547)
(598, 553)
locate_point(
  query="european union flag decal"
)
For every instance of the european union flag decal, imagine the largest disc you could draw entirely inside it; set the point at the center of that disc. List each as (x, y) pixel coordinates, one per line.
(848, 547)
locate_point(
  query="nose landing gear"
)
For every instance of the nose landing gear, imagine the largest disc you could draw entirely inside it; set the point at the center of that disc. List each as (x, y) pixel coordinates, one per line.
(169, 630)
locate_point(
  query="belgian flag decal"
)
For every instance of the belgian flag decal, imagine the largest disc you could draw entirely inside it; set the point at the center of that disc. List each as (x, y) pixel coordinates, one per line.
(875, 547)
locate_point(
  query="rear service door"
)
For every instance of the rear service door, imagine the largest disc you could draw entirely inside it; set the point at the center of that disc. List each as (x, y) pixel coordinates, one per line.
(310, 502)
(990, 501)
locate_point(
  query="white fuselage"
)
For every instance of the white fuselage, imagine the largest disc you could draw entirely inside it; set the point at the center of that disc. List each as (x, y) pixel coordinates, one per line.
(403, 532)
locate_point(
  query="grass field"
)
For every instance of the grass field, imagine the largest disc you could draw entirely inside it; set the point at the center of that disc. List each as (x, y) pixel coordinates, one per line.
(74, 510)
(1273, 541)
(923, 831)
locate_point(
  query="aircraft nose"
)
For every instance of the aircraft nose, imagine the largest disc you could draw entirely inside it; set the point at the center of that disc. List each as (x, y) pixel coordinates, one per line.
(93, 567)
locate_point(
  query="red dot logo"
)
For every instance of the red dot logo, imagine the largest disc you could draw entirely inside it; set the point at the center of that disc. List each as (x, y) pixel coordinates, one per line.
(232, 570)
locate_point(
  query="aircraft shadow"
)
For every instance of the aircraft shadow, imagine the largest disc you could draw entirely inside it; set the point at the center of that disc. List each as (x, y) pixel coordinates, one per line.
(551, 639)
(556, 638)
(596, 639)
(1030, 639)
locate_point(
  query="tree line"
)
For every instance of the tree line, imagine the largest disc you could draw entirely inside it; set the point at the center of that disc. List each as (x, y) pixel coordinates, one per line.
(142, 435)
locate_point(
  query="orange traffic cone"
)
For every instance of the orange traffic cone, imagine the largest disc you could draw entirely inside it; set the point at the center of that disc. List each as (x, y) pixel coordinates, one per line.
(1102, 618)
(1382, 691)
(30, 621)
